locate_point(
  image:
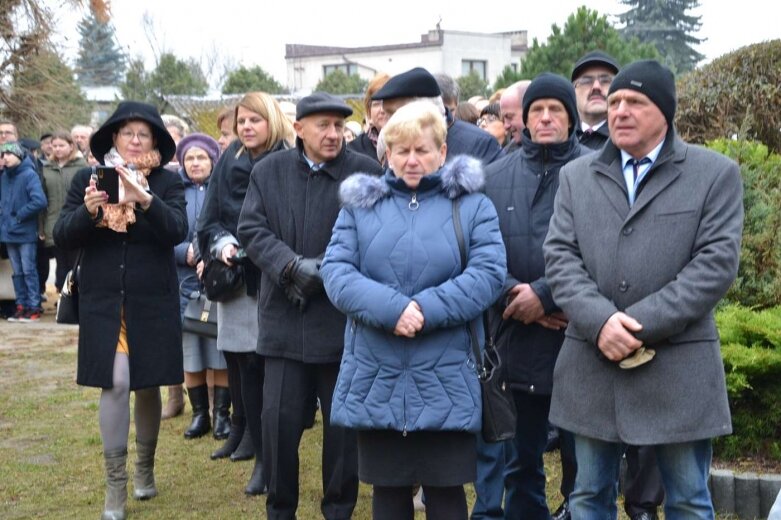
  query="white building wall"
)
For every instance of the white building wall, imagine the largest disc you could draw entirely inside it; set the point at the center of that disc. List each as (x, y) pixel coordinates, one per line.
(495, 49)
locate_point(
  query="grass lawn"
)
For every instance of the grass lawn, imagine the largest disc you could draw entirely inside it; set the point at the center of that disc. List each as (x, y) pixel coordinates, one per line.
(51, 457)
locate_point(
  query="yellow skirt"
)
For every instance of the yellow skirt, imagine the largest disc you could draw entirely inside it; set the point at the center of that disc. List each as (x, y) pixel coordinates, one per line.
(122, 345)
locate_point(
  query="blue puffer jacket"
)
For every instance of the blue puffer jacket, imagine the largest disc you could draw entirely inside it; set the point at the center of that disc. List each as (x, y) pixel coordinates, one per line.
(384, 253)
(21, 199)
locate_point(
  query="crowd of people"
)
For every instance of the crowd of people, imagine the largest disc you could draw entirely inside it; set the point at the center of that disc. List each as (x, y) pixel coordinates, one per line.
(566, 211)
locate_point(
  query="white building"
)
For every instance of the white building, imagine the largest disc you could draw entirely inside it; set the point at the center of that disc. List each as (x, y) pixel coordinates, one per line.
(455, 53)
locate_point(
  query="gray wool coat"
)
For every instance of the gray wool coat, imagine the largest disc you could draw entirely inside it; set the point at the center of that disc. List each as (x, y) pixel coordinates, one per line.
(666, 261)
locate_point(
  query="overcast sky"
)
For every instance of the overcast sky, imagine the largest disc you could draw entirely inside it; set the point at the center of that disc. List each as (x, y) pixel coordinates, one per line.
(247, 32)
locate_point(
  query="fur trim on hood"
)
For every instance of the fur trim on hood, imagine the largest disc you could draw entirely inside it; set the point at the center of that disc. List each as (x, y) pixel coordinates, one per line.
(464, 174)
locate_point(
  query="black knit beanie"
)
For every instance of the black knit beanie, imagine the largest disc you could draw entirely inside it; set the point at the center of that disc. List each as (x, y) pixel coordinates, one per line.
(548, 85)
(651, 78)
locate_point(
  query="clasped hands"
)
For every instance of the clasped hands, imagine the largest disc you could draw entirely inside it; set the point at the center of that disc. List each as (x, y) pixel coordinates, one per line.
(617, 342)
(132, 193)
(301, 280)
(525, 306)
(411, 321)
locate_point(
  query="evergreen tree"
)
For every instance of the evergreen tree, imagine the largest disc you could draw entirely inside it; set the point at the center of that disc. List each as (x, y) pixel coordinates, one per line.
(136, 86)
(45, 96)
(507, 78)
(471, 85)
(243, 80)
(337, 82)
(586, 30)
(665, 24)
(171, 76)
(100, 60)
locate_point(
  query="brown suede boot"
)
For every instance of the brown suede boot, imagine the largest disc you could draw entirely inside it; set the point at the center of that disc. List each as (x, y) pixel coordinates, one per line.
(175, 404)
(116, 485)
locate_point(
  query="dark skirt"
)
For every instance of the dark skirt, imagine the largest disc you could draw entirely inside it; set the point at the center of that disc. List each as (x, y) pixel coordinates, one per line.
(440, 459)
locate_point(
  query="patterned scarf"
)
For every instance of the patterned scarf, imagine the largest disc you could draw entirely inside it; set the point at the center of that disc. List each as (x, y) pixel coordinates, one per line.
(117, 217)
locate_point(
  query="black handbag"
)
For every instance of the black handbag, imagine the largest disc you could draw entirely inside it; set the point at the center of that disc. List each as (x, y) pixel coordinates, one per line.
(499, 414)
(221, 281)
(68, 302)
(200, 315)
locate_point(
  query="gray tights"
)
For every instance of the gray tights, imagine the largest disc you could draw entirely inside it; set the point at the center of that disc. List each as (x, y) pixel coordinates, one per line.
(114, 414)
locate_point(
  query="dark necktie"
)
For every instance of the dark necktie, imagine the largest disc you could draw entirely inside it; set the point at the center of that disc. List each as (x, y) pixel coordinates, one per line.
(636, 166)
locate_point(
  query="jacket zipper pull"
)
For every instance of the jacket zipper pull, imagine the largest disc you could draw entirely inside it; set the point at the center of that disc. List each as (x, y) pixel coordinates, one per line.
(414, 204)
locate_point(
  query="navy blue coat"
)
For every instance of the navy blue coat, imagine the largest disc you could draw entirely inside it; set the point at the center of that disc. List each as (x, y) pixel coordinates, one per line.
(382, 255)
(194, 195)
(523, 186)
(22, 199)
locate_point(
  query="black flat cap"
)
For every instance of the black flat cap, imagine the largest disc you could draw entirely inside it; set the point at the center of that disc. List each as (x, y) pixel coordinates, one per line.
(318, 102)
(417, 82)
(594, 59)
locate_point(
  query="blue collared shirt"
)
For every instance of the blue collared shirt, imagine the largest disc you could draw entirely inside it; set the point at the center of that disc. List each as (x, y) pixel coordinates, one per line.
(313, 165)
(642, 169)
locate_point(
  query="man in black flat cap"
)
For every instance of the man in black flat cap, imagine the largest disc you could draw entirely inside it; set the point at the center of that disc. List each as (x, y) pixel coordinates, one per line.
(591, 76)
(462, 138)
(285, 224)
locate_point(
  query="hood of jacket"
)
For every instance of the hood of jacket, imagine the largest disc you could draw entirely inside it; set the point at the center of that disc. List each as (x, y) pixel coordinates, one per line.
(462, 175)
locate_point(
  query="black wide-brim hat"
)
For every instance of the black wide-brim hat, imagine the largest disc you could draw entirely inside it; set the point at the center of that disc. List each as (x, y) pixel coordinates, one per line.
(103, 139)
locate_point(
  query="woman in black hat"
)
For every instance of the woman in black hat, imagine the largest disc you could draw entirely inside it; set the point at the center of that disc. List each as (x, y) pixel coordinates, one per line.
(130, 335)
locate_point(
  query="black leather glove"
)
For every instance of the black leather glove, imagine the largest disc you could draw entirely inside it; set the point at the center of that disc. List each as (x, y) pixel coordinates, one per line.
(295, 296)
(305, 275)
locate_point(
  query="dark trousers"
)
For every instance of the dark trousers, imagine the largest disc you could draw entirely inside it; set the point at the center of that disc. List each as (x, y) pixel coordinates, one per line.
(287, 394)
(525, 473)
(234, 383)
(643, 489)
(42, 264)
(492, 457)
(251, 368)
(395, 503)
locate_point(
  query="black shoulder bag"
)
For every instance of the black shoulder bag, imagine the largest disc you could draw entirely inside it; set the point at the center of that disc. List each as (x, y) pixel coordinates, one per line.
(499, 415)
(200, 314)
(68, 303)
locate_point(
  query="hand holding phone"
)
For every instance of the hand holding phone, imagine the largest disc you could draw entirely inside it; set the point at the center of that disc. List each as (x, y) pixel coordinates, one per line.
(107, 180)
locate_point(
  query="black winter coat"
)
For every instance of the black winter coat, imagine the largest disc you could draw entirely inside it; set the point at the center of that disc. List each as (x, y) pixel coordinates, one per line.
(362, 144)
(522, 187)
(135, 271)
(596, 139)
(290, 210)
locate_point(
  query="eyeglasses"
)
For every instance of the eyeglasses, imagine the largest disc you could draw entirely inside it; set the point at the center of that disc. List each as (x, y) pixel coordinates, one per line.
(129, 135)
(586, 81)
(488, 118)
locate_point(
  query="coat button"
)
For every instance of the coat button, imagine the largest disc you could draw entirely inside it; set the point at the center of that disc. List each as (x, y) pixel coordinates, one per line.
(628, 231)
(624, 286)
(531, 388)
(121, 266)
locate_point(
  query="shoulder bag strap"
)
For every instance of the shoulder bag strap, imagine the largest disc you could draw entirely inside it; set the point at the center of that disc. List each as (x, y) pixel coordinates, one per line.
(481, 373)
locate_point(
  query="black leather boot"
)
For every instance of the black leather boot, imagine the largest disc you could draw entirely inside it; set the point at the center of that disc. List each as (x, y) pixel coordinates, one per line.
(257, 482)
(221, 413)
(245, 450)
(199, 400)
(238, 425)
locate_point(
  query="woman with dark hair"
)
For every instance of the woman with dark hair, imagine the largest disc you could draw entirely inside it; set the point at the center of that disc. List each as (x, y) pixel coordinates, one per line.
(407, 381)
(262, 129)
(57, 176)
(130, 336)
(491, 121)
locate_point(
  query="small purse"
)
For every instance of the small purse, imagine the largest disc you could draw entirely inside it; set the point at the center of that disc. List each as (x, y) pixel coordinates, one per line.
(68, 302)
(200, 315)
(221, 281)
(499, 414)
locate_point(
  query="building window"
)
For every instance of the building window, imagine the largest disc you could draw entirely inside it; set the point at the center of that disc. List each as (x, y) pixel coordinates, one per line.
(476, 66)
(348, 68)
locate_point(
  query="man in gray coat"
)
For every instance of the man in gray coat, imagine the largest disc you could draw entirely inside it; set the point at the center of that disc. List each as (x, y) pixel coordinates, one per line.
(644, 241)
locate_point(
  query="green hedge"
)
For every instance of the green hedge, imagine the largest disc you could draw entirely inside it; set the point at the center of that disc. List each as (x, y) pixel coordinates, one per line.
(758, 284)
(751, 346)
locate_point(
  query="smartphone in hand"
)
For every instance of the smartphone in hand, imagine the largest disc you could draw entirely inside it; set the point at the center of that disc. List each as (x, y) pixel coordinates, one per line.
(107, 179)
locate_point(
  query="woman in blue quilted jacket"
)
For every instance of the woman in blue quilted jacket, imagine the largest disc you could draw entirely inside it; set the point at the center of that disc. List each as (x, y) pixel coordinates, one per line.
(407, 380)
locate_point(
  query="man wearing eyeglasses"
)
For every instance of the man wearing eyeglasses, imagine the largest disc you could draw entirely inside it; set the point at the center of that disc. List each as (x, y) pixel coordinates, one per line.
(591, 77)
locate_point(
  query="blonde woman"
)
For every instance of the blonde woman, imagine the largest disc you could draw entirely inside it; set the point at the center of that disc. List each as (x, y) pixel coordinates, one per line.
(262, 129)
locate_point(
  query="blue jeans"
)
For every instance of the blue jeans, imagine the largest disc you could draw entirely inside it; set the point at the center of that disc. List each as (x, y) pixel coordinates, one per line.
(525, 473)
(23, 263)
(492, 457)
(684, 468)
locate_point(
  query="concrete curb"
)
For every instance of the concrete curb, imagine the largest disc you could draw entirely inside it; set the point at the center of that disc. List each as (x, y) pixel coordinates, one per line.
(747, 495)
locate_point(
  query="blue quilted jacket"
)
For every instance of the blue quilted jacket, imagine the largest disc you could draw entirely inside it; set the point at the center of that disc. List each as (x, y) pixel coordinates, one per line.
(392, 245)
